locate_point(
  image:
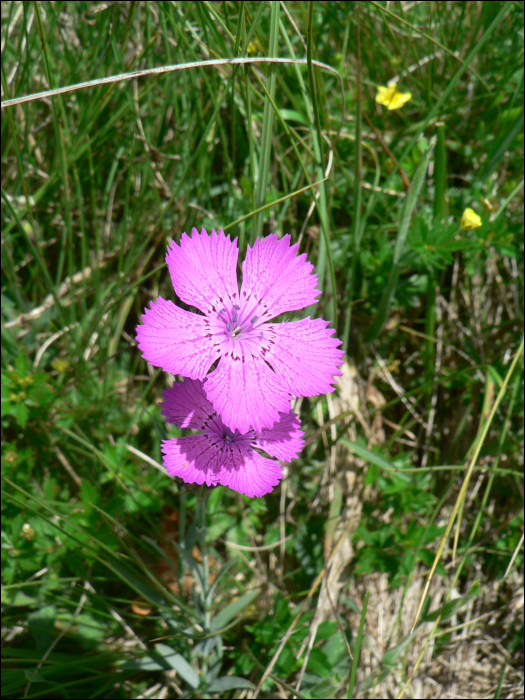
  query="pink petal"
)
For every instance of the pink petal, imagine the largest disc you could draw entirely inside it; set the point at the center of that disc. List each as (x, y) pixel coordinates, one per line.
(304, 355)
(249, 473)
(176, 340)
(195, 459)
(203, 270)
(186, 405)
(245, 392)
(283, 440)
(275, 280)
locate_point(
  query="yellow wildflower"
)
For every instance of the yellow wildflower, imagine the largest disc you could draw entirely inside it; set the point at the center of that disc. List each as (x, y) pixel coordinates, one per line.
(391, 98)
(60, 365)
(254, 47)
(470, 220)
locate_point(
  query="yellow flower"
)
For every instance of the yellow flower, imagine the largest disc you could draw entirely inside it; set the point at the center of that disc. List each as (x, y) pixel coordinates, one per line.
(253, 48)
(470, 220)
(391, 98)
(59, 365)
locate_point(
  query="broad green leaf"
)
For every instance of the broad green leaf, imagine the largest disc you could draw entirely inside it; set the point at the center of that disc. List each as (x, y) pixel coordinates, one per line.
(324, 689)
(20, 599)
(89, 494)
(22, 414)
(41, 624)
(293, 115)
(21, 364)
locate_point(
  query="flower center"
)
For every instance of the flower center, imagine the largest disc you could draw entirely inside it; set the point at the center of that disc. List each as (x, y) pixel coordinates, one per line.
(239, 323)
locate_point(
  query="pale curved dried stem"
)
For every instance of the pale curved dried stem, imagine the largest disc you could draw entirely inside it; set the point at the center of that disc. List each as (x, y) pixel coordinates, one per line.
(160, 70)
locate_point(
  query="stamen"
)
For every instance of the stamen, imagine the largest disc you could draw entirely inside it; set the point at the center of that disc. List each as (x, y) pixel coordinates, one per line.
(237, 308)
(234, 319)
(229, 327)
(254, 319)
(222, 311)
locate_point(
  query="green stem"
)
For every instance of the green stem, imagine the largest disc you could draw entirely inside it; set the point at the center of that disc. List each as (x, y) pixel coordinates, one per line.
(356, 228)
(267, 127)
(430, 329)
(202, 495)
(440, 175)
(355, 661)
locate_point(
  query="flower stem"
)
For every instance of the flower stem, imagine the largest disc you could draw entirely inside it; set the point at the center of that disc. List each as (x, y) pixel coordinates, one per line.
(202, 495)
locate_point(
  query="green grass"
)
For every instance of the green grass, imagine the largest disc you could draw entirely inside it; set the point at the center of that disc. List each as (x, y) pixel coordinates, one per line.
(417, 475)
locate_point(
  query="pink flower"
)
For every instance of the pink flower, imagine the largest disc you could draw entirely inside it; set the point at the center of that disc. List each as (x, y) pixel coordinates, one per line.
(219, 456)
(261, 365)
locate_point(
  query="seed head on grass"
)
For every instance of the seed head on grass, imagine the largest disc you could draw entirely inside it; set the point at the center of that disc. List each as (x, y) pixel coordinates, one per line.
(391, 98)
(261, 364)
(219, 455)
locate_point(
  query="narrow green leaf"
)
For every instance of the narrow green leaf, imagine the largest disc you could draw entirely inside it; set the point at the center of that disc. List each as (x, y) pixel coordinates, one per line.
(500, 682)
(321, 202)
(370, 456)
(393, 654)
(267, 130)
(144, 663)
(179, 664)
(226, 567)
(141, 587)
(33, 677)
(502, 145)
(452, 606)
(359, 641)
(440, 174)
(293, 116)
(229, 612)
(41, 624)
(406, 216)
(220, 685)
(452, 84)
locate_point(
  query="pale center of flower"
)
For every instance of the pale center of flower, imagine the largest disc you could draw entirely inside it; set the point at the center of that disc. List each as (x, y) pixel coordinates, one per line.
(240, 323)
(230, 438)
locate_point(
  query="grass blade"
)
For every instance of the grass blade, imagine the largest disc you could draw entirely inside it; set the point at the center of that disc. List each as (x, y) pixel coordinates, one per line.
(462, 493)
(406, 216)
(266, 139)
(452, 85)
(502, 145)
(358, 643)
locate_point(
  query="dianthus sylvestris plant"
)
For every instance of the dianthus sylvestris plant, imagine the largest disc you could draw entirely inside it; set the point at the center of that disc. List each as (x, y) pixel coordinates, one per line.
(219, 455)
(261, 365)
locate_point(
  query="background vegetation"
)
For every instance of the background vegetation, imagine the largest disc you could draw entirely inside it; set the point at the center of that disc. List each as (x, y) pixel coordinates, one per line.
(416, 460)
